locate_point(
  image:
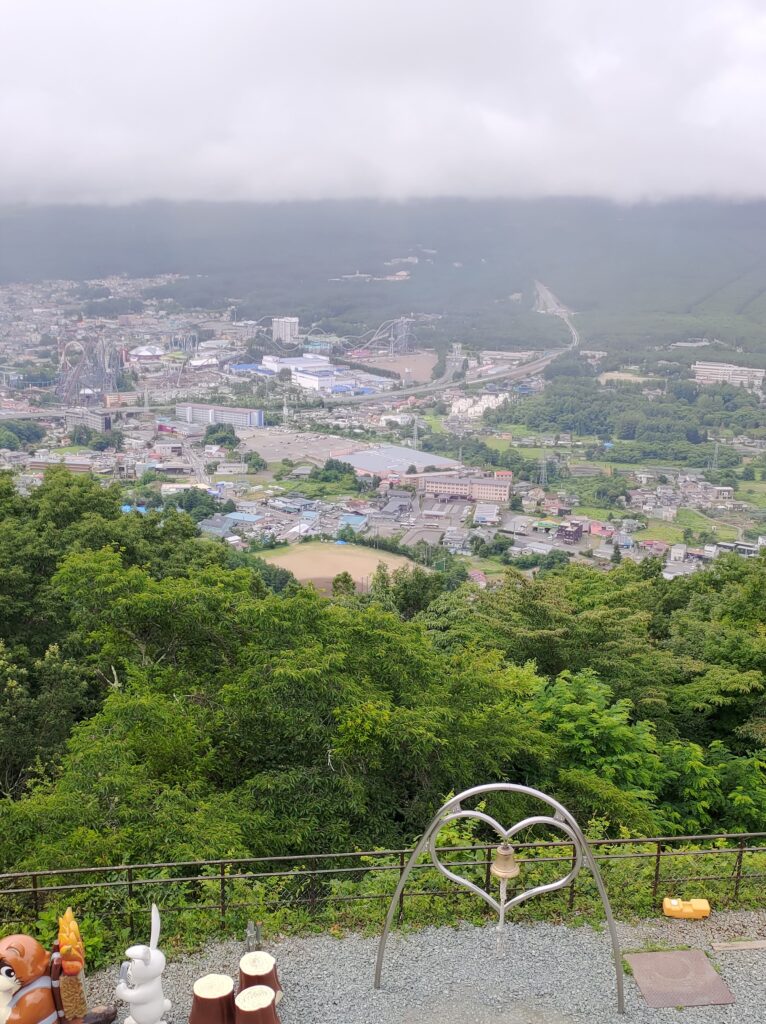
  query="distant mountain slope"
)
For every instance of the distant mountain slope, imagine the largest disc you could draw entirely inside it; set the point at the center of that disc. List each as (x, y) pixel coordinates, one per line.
(632, 273)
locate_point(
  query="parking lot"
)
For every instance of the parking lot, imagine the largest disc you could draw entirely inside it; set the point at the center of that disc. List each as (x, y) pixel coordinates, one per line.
(277, 443)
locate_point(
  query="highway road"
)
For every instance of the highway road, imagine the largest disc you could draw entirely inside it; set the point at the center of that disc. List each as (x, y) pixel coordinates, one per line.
(516, 373)
(59, 411)
(548, 303)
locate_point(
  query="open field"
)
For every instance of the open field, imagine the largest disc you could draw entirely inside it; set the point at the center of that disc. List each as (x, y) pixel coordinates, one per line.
(435, 423)
(658, 529)
(517, 429)
(315, 489)
(499, 444)
(753, 491)
(534, 453)
(319, 561)
(489, 566)
(419, 364)
(697, 522)
(631, 378)
(595, 512)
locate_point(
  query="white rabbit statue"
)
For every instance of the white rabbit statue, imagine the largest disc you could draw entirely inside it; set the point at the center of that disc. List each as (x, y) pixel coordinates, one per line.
(146, 998)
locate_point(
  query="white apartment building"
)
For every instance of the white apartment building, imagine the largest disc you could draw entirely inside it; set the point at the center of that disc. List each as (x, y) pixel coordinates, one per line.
(473, 408)
(727, 373)
(195, 412)
(284, 328)
(480, 488)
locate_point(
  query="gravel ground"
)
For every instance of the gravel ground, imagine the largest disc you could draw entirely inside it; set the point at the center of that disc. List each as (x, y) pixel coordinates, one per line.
(532, 974)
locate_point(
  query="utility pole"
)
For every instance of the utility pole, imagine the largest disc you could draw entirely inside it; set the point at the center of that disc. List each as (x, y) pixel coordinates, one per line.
(543, 472)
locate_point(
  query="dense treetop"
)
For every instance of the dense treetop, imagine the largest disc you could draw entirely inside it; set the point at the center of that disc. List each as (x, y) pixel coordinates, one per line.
(164, 698)
(676, 424)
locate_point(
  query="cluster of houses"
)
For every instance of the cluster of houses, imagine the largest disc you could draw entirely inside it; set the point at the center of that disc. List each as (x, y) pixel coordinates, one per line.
(662, 500)
(292, 517)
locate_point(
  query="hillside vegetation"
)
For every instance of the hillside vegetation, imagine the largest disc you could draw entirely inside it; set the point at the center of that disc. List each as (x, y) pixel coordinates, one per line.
(163, 699)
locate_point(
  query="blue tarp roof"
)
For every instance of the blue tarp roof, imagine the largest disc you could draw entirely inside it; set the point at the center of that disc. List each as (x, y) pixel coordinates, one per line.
(134, 508)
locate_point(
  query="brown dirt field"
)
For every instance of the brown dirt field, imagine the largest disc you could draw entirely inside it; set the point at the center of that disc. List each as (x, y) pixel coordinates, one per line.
(419, 364)
(318, 562)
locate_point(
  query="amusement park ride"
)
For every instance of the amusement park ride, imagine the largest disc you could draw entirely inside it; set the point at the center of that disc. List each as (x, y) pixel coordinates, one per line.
(396, 334)
(86, 368)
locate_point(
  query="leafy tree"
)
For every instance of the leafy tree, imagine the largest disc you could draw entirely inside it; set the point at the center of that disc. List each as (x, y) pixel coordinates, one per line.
(9, 440)
(80, 434)
(255, 462)
(198, 503)
(343, 585)
(221, 434)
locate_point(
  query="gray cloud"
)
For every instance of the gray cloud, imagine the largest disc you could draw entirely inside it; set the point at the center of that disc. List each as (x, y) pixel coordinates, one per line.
(119, 100)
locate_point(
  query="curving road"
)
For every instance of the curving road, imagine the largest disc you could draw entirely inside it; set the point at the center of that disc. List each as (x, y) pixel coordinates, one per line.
(548, 303)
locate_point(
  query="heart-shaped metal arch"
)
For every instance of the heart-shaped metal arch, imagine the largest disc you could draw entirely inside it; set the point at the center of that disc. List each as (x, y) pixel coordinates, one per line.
(562, 820)
(505, 835)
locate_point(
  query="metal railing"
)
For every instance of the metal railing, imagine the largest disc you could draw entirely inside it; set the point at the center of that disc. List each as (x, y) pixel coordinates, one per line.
(731, 865)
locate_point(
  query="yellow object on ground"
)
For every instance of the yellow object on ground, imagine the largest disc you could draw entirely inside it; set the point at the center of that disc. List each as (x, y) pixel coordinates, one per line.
(691, 910)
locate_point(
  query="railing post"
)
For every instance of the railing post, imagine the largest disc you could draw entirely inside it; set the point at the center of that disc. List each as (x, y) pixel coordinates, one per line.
(657, 863)
(401, 894)
(313, 886)
(35, 895)
(487, 866)
(574, 880)
(223, 895)
(130, 899)
(738, 869)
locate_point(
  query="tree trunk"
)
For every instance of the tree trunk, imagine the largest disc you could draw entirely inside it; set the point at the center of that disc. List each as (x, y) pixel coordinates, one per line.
(259, 969)
(213, 1000)
(255, 1005)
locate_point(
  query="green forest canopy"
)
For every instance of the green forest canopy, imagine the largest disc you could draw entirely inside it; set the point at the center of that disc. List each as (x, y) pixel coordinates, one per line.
(163, 698)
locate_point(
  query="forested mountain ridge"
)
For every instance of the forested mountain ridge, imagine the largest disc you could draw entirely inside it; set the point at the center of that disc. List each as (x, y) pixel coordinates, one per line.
(638, 274)
(160, 702)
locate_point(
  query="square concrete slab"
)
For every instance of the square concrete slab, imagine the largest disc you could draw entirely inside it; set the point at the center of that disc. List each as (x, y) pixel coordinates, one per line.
(678, 978)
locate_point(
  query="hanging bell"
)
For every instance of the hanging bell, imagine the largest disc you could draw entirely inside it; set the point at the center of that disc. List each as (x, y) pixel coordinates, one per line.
(504, 864)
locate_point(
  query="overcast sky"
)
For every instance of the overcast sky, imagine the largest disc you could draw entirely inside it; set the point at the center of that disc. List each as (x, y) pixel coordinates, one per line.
(119, 100)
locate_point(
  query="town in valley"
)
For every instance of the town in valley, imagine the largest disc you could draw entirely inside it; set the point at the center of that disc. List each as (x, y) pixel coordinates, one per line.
(275, 433)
